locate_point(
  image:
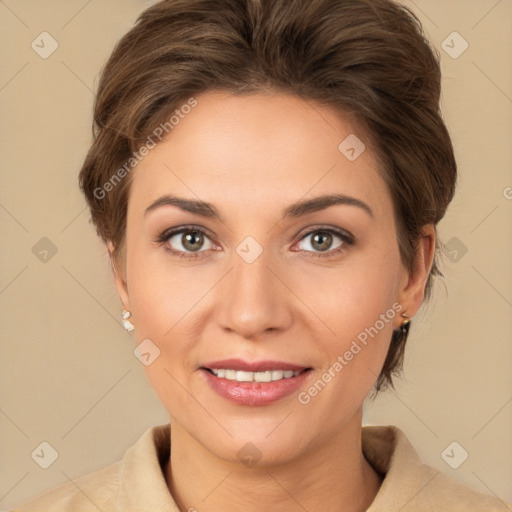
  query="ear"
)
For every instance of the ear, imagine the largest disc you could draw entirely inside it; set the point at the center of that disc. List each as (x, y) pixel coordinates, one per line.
(119, 278)
(412, 290)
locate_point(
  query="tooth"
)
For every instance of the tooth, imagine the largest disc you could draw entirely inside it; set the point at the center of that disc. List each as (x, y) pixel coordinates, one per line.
(263, 376)
(230, 375)
(242, 376)
(277, 374)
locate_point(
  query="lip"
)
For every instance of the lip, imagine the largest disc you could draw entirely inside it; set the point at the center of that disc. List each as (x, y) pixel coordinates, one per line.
(254, 393)
(252, 366)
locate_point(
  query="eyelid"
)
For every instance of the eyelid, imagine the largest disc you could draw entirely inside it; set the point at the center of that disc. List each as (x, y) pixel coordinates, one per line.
(342, 233)
(347, 240)
(163, 238)
(346, 237)
(168, 233)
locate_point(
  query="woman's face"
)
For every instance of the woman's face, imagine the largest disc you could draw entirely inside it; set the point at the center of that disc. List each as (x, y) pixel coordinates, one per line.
(262, 280)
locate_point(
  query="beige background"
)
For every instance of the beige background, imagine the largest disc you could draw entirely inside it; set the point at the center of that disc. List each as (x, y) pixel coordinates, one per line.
(67, 372)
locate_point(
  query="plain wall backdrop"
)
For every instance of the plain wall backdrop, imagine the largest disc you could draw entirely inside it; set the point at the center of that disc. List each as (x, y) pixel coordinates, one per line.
(68, 375)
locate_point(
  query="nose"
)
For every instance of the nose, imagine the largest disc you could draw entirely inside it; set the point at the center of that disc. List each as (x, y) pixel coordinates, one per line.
(254, 299)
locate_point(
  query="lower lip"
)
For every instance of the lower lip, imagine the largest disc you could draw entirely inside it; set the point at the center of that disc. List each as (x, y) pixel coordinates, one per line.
(255, 393)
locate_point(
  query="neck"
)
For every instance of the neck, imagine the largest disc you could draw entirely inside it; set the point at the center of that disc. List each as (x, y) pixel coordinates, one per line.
(332, 476)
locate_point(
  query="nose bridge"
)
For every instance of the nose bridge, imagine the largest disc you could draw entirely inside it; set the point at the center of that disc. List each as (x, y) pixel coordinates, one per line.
(252, 298)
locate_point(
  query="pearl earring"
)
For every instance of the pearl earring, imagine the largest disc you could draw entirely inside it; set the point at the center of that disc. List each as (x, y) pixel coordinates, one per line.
(125, 314)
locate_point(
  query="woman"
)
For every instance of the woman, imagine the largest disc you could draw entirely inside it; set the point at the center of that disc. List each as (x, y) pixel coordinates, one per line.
(268, 176)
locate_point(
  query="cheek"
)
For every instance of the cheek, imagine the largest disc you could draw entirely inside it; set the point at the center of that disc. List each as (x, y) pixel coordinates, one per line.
(352, 297)
(161, 294)
(359, 306)
(163, 304)
(161, 299)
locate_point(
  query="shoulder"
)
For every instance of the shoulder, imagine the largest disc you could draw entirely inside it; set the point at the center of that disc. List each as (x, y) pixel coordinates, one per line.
(91, 492)
(442, 492)
(410, 485)
(132, 484)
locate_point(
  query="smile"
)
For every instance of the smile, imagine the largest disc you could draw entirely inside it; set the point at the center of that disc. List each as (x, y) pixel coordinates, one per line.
(254, 383)
(244, 376)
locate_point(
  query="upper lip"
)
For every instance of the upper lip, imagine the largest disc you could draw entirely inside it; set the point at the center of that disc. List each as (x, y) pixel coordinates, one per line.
(252, 366)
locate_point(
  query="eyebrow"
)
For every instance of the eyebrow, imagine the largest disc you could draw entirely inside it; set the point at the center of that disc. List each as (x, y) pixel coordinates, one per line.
(295, 210)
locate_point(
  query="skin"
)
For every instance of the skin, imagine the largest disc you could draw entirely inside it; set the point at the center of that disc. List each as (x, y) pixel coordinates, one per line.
(251, 157)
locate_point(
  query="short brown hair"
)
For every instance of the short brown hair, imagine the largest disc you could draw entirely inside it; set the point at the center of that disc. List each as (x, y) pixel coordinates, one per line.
(367, 58)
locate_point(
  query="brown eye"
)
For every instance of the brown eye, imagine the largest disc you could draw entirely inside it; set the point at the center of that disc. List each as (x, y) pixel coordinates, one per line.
(192, 241)
(325, 242)
(188, 241)
(321, 241)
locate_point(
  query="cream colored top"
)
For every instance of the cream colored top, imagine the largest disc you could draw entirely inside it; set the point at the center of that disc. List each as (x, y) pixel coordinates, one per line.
(137, 482)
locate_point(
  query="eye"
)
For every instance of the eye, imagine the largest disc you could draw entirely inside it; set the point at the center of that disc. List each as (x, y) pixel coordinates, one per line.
(186, 241)
(190, 241)
(322, 242)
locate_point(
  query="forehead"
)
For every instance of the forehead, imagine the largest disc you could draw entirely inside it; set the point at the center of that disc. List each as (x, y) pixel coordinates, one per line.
(259, 150)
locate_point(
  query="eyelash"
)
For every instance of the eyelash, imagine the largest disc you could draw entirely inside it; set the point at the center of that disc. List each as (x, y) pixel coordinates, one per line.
(346, 238)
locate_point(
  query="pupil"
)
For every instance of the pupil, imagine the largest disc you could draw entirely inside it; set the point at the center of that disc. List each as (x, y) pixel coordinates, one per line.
(191, 239)
(326, 237)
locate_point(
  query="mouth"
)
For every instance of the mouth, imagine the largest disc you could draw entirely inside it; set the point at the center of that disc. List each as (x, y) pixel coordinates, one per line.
(254, 383)
(264, 376)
